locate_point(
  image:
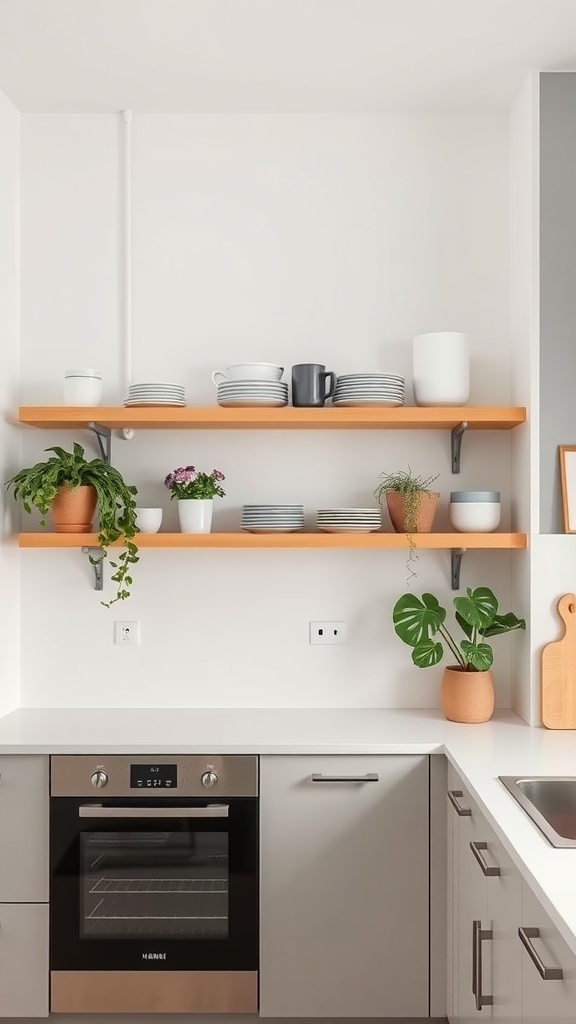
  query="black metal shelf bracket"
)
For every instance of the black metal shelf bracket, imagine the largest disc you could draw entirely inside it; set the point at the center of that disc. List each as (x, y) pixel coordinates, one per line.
(97, 562)
(456, 436)
(457, 554)
(104, 438)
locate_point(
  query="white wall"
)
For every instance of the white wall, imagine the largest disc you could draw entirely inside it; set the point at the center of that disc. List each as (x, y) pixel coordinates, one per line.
(286, 238)
(10, 437)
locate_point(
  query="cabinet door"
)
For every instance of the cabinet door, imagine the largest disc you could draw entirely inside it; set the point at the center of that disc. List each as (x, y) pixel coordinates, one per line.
(24, 960)
(344, 887)
(24, 805)
(550, 1001)
(474, 954)
(504, 912)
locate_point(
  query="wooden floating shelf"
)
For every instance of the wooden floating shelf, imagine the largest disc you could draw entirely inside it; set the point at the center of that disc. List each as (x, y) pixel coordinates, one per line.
(288, 418)
(370, 541)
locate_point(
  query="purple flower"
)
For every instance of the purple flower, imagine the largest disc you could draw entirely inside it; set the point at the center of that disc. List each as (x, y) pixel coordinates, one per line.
(218, 475)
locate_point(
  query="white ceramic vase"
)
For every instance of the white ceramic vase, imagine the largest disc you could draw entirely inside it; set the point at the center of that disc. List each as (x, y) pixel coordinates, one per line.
(195, 515)
(441, 368)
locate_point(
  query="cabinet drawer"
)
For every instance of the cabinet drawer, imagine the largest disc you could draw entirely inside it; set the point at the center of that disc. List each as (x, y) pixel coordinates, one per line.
(24, 960)
(24, 815)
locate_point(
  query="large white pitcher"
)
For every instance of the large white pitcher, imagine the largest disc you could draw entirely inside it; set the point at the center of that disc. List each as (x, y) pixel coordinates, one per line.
(441, 368)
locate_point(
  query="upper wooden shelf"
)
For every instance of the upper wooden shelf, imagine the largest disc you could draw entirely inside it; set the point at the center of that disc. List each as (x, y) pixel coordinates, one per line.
(284, 540)
(214, 417)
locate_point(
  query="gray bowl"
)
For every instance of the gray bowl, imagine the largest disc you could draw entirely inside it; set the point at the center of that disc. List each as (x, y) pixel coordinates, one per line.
(458, 496)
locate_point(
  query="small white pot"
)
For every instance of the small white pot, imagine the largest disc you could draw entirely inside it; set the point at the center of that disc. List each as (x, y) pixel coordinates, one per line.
(195, 514)
(148, 520)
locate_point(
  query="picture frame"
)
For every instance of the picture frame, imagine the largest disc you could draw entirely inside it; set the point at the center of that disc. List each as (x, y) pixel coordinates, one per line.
(567, 455)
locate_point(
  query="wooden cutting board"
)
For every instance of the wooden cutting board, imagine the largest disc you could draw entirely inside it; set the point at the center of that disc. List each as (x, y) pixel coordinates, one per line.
(558, 676)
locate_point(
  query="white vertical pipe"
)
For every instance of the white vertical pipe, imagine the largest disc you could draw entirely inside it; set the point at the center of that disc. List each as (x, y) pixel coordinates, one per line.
(127, 197)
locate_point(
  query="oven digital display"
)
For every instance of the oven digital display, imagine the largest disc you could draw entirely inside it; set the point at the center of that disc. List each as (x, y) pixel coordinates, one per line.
(153, 776)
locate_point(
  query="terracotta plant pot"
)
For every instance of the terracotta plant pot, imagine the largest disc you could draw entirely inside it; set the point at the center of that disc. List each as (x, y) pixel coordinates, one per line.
(425, 512)
(467, 696)
(73, 511)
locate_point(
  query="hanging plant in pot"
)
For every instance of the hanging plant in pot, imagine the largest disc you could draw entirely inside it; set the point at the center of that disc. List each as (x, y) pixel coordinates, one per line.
(467, 690)
(411, 506)
(195, 492)
(72, 489)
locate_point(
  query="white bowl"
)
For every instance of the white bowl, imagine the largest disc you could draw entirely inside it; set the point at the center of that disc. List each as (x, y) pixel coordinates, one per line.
(148, 520)
(475, 516)
(249, 371)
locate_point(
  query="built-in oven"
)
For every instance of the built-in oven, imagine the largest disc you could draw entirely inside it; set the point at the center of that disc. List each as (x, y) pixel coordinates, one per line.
(154, 884)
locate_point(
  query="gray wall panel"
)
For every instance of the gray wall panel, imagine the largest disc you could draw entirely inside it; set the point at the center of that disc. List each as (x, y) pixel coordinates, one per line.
(557, 285)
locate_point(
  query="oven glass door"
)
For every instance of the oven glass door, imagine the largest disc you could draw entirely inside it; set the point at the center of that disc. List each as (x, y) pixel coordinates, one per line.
(154, 884)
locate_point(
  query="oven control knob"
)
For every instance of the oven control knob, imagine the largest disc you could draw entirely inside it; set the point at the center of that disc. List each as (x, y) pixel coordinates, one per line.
(209, 779)
(99, 779)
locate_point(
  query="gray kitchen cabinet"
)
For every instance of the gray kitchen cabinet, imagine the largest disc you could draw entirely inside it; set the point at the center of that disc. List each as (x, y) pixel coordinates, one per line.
(548, 999)
(24, 814)
(24, 969)
(504, 913)
(344, 886)
(484, 907)
(474, 981)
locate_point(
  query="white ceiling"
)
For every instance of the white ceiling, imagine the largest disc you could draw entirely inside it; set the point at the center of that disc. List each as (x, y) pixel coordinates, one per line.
(277, 55)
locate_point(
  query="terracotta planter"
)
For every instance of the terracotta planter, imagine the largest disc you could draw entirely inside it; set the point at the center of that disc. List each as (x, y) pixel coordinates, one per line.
(73, 511)
(467, 696)
(426, 510)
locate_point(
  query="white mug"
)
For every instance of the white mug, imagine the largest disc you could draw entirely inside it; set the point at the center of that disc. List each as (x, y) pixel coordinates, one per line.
(148, 520)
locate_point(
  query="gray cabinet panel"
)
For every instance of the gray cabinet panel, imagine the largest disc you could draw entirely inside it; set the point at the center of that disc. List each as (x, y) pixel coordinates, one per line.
(24, 814)
(344, 887)
(24, 960)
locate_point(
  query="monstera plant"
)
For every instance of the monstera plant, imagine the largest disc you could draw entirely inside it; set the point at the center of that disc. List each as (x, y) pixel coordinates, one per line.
(467, 693)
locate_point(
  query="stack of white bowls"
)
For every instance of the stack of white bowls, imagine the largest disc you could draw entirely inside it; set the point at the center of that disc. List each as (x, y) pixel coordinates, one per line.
(272, 518)
(369, 389)
(155, 393)
(349, 520)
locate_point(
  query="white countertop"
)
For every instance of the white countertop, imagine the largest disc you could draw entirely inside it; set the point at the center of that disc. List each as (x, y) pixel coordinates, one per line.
(504, 746)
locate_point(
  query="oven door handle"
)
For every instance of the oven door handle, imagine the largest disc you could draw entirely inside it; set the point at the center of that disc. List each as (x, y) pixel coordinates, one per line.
(98, 811)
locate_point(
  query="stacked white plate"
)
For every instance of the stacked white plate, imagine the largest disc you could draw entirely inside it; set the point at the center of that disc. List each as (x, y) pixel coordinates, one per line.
(272, 518)
(253, 392)
(349, 520)
(357, 389)
(156, 393)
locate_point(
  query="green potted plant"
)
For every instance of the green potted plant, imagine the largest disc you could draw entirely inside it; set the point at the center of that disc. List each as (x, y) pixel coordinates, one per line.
(467, 691)
(72, 488)
(411, 506)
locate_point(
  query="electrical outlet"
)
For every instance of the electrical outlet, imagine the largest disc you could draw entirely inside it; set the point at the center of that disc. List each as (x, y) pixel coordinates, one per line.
(328, 632)
(127, 634)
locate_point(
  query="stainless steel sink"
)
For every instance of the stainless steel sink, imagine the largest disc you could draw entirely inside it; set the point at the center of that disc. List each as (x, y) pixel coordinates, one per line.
(551, 803)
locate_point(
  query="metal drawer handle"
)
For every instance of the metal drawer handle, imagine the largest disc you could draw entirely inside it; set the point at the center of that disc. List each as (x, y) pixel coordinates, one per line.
(486, 868)
(97, 811)
(546, 973)
(370, 777)
(453, 795)
(479, 935)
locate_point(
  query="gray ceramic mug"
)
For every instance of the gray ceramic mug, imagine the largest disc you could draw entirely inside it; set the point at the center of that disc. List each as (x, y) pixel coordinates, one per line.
(312, 384)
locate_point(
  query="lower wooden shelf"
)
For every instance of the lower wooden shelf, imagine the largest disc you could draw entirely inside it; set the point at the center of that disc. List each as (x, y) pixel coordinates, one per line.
(285, 540)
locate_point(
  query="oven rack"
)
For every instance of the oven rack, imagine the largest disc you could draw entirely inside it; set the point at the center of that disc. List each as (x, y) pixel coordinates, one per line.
(109, 886)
